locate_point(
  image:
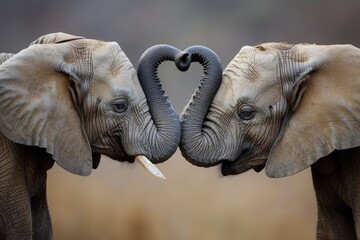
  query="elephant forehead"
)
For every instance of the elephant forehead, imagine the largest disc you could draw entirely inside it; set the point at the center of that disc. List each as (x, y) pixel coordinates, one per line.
(114, 73)
(259, 94)
(246, 82)
(257, 56)
(251, 65)
(126, 82)
(231, 92)
(110, 57)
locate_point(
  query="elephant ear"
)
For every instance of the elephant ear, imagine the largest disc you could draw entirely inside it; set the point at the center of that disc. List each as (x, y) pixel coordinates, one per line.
(328, 115)
(58, 37)
(36, 106)
(5, 56)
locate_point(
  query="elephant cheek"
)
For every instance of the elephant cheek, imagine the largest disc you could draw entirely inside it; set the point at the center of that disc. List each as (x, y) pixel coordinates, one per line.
(134, 140)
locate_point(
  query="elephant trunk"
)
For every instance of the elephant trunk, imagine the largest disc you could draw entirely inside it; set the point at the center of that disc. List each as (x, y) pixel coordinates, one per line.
(166, 126)
(198, 142)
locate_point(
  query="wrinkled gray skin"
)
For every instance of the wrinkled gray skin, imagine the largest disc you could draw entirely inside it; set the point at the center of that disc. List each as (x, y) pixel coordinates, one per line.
(68, 99)
(5, 56)
(285, 107)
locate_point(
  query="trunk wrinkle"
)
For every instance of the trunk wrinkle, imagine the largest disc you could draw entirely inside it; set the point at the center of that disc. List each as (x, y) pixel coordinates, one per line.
(198, 142)
(165, 129)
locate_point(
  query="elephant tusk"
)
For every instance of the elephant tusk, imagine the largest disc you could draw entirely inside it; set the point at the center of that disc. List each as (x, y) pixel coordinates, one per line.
(149, 166)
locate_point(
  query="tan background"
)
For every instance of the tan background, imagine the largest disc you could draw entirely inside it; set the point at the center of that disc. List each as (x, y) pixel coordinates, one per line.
(122, 201)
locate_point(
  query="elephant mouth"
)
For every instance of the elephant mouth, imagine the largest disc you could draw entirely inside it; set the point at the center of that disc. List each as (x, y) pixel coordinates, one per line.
(122, 158)
(245, 160)
(238, 167)
(129, 159)
(118, 155)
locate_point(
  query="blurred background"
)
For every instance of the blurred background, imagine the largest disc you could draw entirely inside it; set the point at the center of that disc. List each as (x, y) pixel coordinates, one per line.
(122, 201)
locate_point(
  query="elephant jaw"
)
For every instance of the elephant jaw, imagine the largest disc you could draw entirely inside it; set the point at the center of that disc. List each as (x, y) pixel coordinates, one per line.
(241, 166)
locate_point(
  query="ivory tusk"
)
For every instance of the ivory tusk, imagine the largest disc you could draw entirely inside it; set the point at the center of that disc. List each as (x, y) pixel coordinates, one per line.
(149, 166)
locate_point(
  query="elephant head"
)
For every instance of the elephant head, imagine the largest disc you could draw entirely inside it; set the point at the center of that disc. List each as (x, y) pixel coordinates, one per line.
(79, 98)
(279, 106)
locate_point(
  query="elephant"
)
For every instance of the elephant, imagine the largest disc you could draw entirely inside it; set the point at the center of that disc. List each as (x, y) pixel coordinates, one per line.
(68, 99)
(5, 56)
(283, 108)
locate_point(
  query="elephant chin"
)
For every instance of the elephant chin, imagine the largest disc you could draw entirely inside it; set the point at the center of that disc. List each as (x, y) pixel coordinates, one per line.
(241, 166)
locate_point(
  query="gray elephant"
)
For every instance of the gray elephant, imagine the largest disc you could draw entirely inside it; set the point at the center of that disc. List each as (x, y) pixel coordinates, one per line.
(69, 99)
(284, 108)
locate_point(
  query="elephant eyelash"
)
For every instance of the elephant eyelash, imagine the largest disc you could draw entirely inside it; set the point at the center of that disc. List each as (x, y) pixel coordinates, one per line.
(247, 112)
(120, 105)
(244, 101)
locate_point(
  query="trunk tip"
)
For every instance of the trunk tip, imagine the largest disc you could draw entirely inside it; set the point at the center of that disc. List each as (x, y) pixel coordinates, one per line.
(183, 61)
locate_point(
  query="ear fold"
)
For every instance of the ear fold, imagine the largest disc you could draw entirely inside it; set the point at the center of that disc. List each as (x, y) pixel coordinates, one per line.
(58, 37)
(5, 56)
(328, 115)
(36, 107)
(55, 38)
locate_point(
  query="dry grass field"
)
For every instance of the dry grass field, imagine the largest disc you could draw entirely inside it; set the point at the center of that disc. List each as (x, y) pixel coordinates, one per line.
(122, 201)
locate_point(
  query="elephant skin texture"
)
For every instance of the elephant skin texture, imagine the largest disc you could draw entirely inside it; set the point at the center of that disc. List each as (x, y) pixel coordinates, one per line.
(285, 107)
(67, 99)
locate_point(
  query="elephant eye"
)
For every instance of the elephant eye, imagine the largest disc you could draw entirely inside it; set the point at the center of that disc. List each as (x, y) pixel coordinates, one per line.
(247, 112)
(120, 105)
